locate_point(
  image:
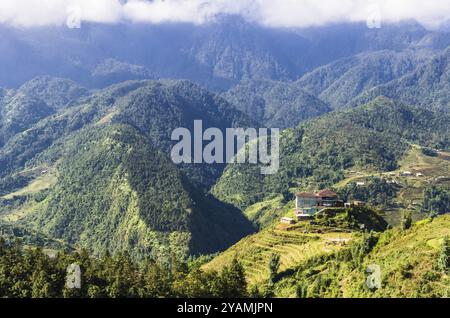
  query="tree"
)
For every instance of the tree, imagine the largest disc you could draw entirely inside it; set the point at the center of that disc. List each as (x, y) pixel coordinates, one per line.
(274, 265)
(232, 281)
(436, 200)
(254, 292)
(40, 287)
(406, 221)
(301, 291)
(443, 260)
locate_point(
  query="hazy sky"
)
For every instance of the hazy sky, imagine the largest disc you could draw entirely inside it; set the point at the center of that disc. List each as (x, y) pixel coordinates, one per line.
(275, 13)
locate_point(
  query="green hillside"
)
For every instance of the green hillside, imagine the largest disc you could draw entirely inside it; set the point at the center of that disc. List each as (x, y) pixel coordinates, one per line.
(427, 86)
(341, 81)
(275, 104)
(373, 138)
(118, 193)
(55, 92)
(297, 243)
(408, 259)
(115, 192)
(154, 108)
(322, 261)
(97, 175)
(35, 100)
(19, 113)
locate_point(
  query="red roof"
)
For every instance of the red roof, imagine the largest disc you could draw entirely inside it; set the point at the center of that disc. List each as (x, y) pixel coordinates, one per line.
(327, 194)
(306, 195)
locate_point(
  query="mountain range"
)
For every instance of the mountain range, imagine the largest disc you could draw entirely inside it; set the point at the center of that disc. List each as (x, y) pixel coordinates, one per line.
(86, 117)
(218, 54)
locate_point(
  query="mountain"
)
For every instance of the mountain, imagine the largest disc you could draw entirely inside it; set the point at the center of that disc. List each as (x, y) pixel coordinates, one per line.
(372, 137)
(55, 92)
(275, 104)
(86, 174)
(218, 54)
(19, 113)
(340, 82)
(427, 86)
(98, 174)
(116, 193)
(154, 108)
(35, 100)
(111, 71)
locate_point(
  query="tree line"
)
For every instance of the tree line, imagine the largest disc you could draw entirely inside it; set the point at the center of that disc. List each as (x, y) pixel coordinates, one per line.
(34, 273)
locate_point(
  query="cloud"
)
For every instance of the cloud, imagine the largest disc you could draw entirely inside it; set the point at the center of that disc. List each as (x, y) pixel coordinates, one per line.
(272, 13)
(29, 13)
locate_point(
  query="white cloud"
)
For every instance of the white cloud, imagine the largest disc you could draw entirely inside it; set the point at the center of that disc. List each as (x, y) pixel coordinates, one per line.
(29, 13)
(274, 13)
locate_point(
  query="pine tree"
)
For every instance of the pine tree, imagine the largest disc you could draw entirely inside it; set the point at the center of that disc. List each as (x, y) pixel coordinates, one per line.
(301, 291)
(406, 221)
(232, 281)
(40, 287)
(254, 292)
(274, 265)
(444, 255)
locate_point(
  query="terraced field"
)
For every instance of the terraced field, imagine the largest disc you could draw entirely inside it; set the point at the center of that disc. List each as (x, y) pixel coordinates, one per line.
(293, 246)
(265, 213)
(410, 195)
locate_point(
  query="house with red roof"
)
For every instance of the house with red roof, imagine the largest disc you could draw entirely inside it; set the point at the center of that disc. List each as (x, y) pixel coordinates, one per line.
(307, 204)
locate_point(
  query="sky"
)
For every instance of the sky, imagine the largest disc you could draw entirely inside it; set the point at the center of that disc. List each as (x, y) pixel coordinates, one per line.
(271, 13)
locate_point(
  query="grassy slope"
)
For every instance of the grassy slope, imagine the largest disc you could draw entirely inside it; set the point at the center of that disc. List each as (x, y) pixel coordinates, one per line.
(44, 181)
(295, 243)
(293, 246)
(407, 260)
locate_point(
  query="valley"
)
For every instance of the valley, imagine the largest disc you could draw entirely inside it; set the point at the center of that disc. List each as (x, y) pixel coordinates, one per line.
(88, 177)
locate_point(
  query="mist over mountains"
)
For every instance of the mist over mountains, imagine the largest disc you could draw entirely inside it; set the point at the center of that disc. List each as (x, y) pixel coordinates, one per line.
(217, 54)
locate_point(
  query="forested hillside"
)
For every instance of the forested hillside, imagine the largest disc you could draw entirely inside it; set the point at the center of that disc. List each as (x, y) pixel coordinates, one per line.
(31, 273)
(341, 81)
(98, 175)
(374, 138)
(35, 100)
(275, 104)
(154, 108)
(116, 192)
(427, 86)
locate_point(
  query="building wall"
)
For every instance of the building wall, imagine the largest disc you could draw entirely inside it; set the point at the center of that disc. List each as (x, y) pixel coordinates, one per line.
(305, 202)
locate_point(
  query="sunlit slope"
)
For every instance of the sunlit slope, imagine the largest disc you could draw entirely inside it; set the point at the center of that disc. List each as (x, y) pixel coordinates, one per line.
(298, 243)
(408, 260)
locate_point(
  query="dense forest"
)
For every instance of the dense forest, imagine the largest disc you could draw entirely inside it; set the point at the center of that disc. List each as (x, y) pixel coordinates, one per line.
(436, 200)
(275, 104)
(33, 273)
